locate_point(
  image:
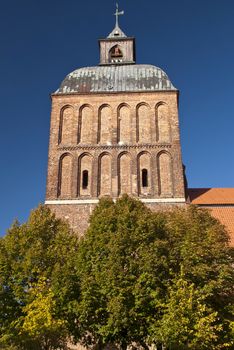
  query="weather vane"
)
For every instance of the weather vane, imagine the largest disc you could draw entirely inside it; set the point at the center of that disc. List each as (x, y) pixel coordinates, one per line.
(117, 14)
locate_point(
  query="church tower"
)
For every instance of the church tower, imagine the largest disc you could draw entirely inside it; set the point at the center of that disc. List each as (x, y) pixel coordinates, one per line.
(114, 130)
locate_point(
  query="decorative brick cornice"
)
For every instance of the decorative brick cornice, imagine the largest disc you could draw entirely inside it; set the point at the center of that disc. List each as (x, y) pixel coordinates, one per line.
(117, 147)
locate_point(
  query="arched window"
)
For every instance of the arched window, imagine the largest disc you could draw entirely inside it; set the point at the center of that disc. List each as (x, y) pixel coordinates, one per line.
(84, 175)
(144, 177)
(144, 174)
(115, 54)
(85, 179)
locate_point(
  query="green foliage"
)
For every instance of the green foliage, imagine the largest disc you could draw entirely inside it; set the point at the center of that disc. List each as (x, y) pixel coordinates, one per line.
(40, 250)
(136, 278)
(129, 266)
(39, 322)
(187, 322)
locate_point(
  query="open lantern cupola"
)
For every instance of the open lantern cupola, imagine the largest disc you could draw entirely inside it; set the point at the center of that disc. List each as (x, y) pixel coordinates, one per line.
(117, 48)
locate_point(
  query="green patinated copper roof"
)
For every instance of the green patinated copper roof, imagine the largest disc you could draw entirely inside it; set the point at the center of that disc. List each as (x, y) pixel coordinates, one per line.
(116, 78)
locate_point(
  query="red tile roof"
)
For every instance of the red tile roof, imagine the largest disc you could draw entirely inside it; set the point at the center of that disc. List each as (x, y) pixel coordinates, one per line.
(211, 195)
(220, 201)
(226, 216)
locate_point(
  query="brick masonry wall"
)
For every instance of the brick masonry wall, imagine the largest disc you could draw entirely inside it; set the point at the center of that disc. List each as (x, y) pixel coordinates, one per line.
(100, 144)
(78, 215)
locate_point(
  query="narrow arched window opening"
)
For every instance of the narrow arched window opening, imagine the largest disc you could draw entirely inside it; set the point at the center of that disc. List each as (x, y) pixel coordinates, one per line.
(116, 54)
(144, 176)
(85, 179)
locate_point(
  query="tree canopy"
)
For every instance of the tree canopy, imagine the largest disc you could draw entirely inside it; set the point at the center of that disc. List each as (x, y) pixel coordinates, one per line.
(137, 278)
(36, 259)
(155, 278)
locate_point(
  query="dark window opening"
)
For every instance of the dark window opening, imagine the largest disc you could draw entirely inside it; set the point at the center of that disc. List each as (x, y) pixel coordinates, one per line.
(85, 179)
(116, 54)
(144, 174)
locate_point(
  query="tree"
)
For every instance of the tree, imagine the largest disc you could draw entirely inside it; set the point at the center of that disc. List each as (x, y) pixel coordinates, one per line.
(129, 266)
(36, 272)
(187, 322)
(137, 278)
(39, 324)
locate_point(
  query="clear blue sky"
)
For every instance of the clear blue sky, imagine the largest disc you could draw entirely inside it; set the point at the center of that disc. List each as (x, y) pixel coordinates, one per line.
(42, 41)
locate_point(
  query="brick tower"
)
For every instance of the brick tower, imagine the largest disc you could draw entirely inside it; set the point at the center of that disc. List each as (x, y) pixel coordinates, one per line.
(114, 130)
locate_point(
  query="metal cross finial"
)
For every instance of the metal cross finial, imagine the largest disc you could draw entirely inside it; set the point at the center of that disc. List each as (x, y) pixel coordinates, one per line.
(117, 13)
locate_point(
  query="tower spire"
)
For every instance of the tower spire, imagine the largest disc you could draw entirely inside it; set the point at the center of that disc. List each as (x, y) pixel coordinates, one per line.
(117, 32)
(117, 14)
